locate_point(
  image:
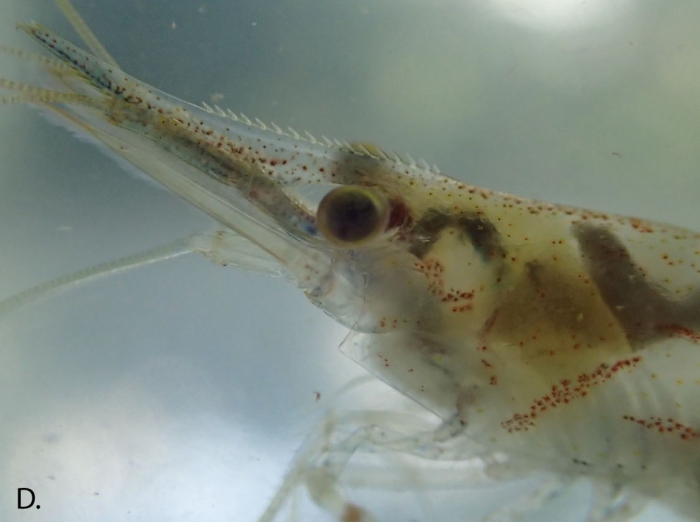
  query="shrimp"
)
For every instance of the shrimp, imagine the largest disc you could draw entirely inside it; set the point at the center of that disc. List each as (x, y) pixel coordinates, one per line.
(534, 337)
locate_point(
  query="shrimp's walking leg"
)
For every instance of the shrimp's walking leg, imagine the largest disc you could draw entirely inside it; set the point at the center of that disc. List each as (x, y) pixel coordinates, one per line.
(224, 248)
(321, 463)
(612, 503)
(527, 502)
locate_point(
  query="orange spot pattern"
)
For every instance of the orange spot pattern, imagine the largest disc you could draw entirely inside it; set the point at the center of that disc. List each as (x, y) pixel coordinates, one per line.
(433, 270)
(678, 330)
(565, 392)
(668, 425)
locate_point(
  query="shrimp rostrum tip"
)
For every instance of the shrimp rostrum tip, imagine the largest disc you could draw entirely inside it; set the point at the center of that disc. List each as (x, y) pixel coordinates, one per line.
(544, 337)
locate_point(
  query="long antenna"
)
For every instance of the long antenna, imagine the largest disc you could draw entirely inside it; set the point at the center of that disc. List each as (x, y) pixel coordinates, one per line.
(85, 32)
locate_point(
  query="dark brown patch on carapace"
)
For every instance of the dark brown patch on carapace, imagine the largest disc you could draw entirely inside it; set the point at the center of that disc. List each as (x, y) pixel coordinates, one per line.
(642, 307)
(482, 234)
(475, 229)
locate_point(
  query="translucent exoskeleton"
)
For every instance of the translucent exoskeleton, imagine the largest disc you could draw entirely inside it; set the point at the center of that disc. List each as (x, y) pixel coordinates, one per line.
(544, 338)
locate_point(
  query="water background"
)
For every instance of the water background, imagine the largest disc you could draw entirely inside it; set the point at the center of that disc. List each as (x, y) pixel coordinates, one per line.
(181, 391)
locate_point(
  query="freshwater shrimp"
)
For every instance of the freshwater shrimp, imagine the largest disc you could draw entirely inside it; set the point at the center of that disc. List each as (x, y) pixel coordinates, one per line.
(544, 337)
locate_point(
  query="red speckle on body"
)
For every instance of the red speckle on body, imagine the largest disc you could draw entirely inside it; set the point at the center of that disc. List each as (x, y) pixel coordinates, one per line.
(665, 426)
(563, 393)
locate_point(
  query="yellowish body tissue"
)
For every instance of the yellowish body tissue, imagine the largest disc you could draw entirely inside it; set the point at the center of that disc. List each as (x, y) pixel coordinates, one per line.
(545, 338)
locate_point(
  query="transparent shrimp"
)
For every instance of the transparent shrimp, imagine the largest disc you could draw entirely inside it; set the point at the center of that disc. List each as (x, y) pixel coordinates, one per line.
(543, 338)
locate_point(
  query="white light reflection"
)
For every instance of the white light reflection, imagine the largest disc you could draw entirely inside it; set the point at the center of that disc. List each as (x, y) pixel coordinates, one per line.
(559, 15)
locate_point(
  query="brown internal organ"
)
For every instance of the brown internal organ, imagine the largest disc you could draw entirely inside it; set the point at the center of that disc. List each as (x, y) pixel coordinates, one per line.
(551, 310)
(643, 309)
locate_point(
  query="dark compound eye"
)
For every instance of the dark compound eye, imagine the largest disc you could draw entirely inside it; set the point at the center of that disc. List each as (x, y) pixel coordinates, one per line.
(351, 216)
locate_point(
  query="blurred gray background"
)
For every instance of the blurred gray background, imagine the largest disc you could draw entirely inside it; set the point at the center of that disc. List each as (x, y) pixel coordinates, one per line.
(181, 391)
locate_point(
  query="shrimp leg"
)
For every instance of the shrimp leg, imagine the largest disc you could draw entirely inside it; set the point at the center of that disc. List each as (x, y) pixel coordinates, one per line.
(323, 459)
